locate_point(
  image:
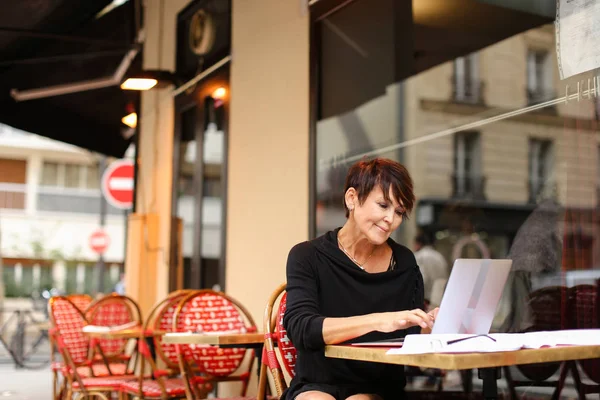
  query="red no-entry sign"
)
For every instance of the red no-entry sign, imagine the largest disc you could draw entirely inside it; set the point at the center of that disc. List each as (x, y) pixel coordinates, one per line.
(117, 184)
(99, 241)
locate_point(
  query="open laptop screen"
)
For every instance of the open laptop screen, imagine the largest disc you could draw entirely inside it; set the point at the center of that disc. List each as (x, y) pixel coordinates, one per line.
(471, 296)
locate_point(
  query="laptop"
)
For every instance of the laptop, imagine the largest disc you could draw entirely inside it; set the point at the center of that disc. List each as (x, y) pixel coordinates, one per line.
(472, 295)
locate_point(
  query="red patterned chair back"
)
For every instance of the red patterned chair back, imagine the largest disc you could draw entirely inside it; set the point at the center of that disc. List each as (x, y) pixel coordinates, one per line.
(287, 349)
(585, 314)
(113, 310)
(81, 301)
(212, 312)
(279, 350)
(548, 308)
(67, 325)
(161, 318)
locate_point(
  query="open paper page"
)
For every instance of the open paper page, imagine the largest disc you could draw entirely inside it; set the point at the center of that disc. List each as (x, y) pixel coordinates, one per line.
(451, 343)
(100, 328)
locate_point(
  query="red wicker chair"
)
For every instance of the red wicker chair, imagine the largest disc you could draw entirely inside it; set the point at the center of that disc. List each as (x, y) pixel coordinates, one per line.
(285, 352)
(78, 369)
(81, 301)
(585, 314)
(164, 384)
(114, 310)
(549, 313)
(212, 312)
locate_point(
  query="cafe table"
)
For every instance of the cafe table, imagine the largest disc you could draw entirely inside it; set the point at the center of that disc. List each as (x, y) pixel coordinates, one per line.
(488, 364)
(241, 340)
(135, 332)
(131, 332)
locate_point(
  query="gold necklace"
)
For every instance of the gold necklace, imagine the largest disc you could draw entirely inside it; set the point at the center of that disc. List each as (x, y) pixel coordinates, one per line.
(354, 259)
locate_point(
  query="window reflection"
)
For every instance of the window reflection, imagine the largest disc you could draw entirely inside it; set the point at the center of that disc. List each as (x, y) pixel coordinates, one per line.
(468, 178)
(466, 80)
(524, 185)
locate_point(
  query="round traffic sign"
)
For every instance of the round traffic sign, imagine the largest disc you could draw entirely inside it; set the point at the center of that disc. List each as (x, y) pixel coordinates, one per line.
(99, 241)
(117, 184)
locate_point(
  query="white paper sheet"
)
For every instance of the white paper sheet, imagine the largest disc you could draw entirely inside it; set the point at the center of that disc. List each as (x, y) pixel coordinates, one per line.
(382, 343)
(577, 36)
(99, 328)
(422, 344)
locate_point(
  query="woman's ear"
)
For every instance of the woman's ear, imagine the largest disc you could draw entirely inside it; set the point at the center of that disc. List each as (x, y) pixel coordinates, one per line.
(350, 198)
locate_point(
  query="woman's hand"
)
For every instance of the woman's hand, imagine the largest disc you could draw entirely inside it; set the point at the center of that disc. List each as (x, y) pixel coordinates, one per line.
(433, 314)
(393, 321)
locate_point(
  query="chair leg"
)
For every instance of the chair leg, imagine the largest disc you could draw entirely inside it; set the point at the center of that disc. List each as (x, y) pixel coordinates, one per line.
(577, 379)
(467, 380)
(245, 386)
(55, 384)
(564, 370)
(510, 383)
(262, 383)
(62, 389)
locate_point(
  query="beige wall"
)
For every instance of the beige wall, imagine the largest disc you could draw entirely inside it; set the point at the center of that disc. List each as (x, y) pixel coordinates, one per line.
(267, 210)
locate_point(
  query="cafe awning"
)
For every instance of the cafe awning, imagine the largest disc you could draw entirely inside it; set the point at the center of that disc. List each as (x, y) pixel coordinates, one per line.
(59, 70)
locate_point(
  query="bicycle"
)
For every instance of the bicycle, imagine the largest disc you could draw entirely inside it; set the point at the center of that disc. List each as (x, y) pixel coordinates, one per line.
(25, 344)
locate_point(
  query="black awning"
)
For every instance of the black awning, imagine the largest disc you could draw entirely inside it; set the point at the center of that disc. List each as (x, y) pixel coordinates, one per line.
(366, 46)
(44, 44)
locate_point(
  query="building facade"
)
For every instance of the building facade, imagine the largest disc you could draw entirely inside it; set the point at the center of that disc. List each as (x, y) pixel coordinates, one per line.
(49, 206)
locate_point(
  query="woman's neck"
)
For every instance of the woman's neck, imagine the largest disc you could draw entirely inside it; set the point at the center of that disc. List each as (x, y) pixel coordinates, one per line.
(355, 242)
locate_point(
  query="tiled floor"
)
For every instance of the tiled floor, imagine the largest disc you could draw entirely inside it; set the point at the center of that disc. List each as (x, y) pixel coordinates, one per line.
(453, 389)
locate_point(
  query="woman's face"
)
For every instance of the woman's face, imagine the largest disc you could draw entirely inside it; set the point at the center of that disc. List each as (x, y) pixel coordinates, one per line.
(377, 218)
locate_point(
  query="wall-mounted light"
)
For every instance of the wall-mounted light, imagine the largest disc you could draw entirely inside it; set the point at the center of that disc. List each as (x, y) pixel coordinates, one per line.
(130, 120)
(150, 79)
(219, 93)
(138, 84)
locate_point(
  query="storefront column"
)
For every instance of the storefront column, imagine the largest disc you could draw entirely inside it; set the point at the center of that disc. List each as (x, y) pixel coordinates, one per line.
(148, 249)
(268, 172)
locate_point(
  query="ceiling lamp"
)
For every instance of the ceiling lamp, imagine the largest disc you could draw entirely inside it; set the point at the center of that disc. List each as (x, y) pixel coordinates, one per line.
(130, 120)
(147, 80)
(219, 93)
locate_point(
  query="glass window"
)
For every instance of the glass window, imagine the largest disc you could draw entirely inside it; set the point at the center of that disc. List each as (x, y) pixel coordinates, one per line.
(468, 178)
(466, 81)
(72, 176)
(539, 80)
(494, 178)
(540, 170)
(49, 175)
(92, 177)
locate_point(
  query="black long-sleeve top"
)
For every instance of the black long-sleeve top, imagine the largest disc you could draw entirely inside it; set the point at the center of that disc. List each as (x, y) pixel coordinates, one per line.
(323, 282)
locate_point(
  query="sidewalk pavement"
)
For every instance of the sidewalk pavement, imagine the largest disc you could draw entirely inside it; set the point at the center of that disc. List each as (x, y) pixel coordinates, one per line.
(23, 384)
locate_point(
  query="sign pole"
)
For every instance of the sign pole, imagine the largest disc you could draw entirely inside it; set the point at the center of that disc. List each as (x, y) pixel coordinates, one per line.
(100, 267)
(117, 184)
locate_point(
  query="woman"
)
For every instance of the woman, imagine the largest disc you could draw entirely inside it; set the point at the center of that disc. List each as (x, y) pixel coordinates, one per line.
(355, 284)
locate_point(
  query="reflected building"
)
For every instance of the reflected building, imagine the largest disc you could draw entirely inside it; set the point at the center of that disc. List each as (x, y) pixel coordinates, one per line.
(482, 157)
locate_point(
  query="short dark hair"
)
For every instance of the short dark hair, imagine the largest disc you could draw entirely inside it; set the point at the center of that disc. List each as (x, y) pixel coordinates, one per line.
(364, 175)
